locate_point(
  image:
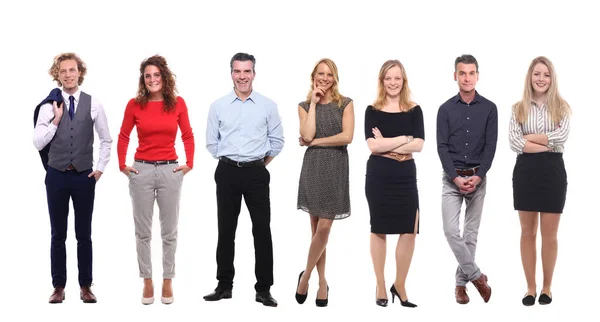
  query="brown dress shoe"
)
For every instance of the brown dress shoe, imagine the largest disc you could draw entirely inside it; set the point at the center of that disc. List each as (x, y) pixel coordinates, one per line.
(86, 295)
(482, 286)
(58, 295)
(461, 295)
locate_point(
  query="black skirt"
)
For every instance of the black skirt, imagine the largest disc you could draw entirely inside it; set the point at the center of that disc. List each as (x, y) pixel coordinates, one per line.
(391, 190)
(540, 182)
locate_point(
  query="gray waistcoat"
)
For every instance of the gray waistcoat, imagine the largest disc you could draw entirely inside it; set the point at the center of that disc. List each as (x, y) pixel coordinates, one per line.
(74, 139)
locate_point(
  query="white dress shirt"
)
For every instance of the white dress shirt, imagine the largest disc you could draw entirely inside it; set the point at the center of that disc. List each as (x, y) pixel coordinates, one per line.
(44, 129)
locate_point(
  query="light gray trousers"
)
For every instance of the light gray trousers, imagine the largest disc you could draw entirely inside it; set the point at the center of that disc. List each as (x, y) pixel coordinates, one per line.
(160, 183)
(463, 246)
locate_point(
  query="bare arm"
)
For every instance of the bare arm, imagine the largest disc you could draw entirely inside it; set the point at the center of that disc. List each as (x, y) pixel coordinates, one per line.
(308, 127)
(415, 145)
(382, 145)
(343, 138)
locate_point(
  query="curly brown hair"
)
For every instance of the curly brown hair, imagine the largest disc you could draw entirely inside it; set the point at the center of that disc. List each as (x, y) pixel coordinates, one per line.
(55, 69)
(169, 89)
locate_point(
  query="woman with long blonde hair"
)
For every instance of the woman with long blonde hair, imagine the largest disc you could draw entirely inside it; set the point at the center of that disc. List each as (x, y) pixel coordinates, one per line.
(394, 131)
(326, 129)
(538, 130)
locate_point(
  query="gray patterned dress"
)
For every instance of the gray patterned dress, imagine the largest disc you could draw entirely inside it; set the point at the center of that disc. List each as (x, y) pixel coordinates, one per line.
(323, 190)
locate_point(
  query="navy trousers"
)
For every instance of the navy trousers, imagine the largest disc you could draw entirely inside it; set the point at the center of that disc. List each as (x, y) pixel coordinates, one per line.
(60, 188)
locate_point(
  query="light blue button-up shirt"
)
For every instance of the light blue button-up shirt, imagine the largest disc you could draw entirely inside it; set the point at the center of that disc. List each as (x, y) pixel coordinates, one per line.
(244, 130)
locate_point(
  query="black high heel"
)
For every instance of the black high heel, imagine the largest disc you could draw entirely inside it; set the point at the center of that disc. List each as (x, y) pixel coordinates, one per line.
(403, 303)
(380, 302)
(323, 302)
(300, 298)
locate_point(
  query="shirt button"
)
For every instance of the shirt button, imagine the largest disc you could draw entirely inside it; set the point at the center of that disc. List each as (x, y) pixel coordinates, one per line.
(466, 143)
(467, 131)
(467, 118)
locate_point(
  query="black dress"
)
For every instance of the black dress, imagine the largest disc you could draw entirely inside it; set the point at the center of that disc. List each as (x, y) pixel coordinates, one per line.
(391, 186)
(324, 189)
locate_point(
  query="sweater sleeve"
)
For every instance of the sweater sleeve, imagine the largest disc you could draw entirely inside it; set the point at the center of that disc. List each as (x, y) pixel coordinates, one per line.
(187, 135)
(126, 128)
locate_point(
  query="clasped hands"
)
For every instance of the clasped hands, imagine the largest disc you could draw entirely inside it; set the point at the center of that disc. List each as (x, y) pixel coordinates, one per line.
(468, 184)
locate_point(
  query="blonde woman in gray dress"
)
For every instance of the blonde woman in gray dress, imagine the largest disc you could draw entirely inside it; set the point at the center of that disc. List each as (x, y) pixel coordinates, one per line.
(326, 128)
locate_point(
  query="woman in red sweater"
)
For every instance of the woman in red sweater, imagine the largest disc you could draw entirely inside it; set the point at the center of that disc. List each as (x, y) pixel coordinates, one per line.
(157, 112)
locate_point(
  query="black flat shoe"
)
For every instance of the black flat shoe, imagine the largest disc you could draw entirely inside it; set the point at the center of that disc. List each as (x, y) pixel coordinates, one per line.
(300, 298)
(544, 299)
(323, 302)
(403, 303)
(529, 300)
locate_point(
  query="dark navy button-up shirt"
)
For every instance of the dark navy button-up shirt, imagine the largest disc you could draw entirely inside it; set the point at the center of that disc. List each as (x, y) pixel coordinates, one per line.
(467, 134)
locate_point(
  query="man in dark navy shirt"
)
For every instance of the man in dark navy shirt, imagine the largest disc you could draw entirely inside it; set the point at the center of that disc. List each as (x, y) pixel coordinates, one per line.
(467, 131)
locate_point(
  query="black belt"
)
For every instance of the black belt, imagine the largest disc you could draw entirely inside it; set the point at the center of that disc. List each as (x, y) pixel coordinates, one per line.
(158, 162)
(255, 163)
(467, 172)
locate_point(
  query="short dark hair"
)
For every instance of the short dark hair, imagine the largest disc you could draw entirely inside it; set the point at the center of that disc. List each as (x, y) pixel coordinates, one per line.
(466, 59)
(242, 57)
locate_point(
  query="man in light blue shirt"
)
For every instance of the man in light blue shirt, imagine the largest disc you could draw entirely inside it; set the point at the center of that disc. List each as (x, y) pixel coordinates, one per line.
(244, 132)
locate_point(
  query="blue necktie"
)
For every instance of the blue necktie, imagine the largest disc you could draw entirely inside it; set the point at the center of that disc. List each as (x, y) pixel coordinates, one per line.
(71, 106)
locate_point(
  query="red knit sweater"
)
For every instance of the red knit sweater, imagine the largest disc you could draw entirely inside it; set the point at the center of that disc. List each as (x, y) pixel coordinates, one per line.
(156, 131)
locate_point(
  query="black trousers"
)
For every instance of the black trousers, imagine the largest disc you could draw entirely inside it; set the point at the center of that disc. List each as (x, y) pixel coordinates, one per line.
(253, 184)
(60, 188)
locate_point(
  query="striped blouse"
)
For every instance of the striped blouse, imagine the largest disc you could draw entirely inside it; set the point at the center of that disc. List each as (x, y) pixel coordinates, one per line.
(538, 122)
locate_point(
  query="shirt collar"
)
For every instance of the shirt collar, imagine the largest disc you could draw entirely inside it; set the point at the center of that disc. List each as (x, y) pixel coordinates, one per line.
(476, 99)
(65, 95)
(535, 104)
(232, 97)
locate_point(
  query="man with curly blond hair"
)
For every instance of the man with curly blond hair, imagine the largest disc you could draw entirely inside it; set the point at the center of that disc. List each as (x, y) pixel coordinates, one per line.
(70, 173)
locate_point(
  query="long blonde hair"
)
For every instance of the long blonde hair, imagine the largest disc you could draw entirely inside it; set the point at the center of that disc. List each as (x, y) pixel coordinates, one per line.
(557, 106)
(335, 94)
(406, 104)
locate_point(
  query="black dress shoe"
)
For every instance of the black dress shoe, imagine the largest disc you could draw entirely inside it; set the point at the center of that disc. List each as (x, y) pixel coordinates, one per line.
(545, 299)
(529, 300)
(266, 299)
(218, 294)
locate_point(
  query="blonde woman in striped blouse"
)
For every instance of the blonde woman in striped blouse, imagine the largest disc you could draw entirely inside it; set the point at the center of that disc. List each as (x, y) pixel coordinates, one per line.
(539, 128)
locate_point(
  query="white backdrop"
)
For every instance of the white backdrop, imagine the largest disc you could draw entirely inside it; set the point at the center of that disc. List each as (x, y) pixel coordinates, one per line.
(287, 39)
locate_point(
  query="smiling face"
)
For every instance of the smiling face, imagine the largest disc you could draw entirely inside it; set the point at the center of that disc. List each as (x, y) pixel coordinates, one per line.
(153, 80)
(540, 79)
(393, 82)
(242, 75)
(68, 75)
(467, 76)
(323, 77)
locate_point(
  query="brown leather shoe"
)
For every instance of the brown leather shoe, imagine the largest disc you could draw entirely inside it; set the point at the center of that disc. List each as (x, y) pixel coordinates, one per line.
(57, 296)
(461, 295)
(86, 295)
(482, 286)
